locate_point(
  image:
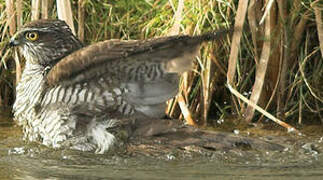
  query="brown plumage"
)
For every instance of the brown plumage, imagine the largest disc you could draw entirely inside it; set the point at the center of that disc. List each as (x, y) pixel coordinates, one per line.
(70, 94)
(175, 54)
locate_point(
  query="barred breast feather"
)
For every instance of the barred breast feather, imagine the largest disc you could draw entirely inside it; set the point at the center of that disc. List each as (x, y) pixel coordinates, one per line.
(51, 115)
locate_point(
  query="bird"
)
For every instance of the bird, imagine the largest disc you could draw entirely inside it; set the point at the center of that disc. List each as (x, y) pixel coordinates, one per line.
(77, 95)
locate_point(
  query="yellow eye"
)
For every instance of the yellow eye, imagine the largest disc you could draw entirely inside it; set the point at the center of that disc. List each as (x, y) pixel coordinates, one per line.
(32, 36)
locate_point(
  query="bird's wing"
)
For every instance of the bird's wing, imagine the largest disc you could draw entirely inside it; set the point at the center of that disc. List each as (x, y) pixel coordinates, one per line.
(147, 67)
(126, 58)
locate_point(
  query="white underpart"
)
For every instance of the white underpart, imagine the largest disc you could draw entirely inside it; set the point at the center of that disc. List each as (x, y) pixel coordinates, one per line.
(28, 94)
(101, 137)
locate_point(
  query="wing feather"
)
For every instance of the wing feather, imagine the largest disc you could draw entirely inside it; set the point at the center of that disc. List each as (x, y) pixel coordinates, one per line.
(129, 61)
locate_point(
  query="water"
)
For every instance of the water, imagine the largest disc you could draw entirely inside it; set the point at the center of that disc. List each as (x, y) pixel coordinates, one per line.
(32, 161)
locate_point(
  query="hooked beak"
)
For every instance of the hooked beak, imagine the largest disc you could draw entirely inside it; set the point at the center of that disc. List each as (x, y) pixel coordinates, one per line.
(13, 42)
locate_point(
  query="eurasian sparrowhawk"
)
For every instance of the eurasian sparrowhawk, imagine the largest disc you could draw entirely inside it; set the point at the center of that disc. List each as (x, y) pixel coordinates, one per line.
(71, 93)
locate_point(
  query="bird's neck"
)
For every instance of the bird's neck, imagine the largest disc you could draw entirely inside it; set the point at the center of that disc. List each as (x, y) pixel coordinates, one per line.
(28, 92)
(33, 69)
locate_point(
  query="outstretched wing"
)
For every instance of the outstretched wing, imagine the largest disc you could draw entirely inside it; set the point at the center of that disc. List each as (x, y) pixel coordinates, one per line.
(149, 68)
(174, 54)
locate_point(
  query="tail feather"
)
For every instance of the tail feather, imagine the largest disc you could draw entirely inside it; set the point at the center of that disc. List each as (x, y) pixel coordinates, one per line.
(184, 62)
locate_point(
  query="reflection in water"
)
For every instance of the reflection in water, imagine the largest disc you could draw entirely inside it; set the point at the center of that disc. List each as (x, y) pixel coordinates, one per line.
(32, 161)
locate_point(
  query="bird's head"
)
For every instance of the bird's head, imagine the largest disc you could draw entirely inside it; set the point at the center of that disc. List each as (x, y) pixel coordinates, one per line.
(45, 42)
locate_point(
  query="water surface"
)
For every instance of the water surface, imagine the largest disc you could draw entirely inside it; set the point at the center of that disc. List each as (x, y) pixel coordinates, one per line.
(19, 160)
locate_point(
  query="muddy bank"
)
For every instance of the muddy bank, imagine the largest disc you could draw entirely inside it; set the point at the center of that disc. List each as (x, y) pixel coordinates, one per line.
(165, 137)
